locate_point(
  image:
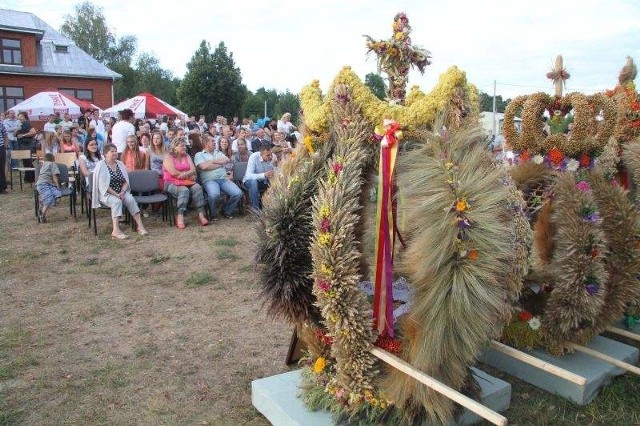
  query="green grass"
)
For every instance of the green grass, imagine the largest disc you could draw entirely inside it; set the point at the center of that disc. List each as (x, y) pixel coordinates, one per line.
(617, 404)
(158, 259)
(226, 255)
(199, 279)
(227, 242)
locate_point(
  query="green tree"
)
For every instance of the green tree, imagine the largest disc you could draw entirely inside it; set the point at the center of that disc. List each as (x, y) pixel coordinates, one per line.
(213, 84)
(375, 83)
(87, 27)
(150, 77)
(486, 102)
(287, 102)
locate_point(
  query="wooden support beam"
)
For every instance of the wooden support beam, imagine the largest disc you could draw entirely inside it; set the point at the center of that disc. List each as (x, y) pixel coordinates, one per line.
(538, 363)
(625, 333)
(454, 395)
(606, 358)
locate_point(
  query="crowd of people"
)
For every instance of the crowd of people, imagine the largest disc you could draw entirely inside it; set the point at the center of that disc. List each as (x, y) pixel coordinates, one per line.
(194, 159)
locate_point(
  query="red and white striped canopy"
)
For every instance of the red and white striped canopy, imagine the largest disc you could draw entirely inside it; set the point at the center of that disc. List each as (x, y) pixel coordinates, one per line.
(41, 105)
(145, 105)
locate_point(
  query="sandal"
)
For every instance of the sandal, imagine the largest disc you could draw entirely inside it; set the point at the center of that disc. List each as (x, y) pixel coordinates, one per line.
(119, 237)
(180, 223)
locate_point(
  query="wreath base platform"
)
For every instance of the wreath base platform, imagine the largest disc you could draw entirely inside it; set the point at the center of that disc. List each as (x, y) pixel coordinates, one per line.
(596, 372)
(276, 398)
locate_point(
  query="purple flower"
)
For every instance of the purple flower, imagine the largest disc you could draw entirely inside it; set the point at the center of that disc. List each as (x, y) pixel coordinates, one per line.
(583, 186)
(592, 288)
(591, 218)
(463, 223)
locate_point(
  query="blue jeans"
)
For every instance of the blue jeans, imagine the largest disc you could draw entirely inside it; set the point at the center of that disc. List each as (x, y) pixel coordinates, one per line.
(256, 187)
(214, 187)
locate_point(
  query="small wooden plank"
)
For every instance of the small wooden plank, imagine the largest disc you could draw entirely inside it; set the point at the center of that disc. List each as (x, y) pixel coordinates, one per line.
(454, 395)
(538, 363)
(606, 358)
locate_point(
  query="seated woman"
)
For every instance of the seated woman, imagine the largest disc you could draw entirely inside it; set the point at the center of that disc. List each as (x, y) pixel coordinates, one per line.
(132, 157)
(145, 141)
(67, 144)
(243, 152)
(50, 144)
(179, 175)
(93, 134)
(224, 146)
(90, 158)
(215, 179)
(111, 188)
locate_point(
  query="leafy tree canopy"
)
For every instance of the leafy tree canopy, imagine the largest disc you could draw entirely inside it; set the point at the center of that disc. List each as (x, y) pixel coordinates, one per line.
(376, 84)
(87, 27)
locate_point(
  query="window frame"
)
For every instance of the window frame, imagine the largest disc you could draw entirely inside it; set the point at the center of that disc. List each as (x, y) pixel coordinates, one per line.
(13, 51)
(4, 105)
(75, 92)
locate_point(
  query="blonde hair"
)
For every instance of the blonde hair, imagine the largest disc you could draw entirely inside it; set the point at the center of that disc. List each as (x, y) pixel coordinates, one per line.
(174, 144)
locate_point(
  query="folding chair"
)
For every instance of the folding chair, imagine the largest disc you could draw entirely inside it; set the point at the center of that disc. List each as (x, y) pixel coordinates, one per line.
(145, 188)
(22, 155)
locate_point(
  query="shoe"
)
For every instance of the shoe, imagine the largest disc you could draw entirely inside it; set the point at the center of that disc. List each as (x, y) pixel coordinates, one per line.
(227, 216)
(119, 237)
(143, 232)
(145, 214)
(203, 220)
(41, 217)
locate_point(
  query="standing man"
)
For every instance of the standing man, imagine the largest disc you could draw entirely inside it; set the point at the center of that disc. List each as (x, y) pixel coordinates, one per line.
(50, 125)
(4, 139)
(11, 125)
(97, 123)
(122, 129)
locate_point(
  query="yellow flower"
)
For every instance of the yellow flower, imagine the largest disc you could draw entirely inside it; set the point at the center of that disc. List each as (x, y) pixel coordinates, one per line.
(448, 165)
(461, 205)
(319, 365)
(324, 239)
(308, 143)
(398, 36)
(325, 211)
(326, 270)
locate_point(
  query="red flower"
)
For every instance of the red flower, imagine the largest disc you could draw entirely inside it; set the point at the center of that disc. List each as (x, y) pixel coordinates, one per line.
(325, 225)
(585, 160)
(556, 156)
(337, 168)
(388, 344)
(524, 156)
(525, 316)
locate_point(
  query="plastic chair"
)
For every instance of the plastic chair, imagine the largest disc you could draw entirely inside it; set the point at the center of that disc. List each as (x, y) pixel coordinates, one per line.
(145, 188)
(239, 170)
(91, 212)
(22, 155)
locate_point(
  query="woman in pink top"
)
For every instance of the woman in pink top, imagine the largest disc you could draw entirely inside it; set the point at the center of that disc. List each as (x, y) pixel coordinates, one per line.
(179, 175)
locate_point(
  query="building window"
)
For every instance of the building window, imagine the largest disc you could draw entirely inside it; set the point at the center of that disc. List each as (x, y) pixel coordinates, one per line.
(61, 49)
(10, 96)
(82, 94)
(11, 53)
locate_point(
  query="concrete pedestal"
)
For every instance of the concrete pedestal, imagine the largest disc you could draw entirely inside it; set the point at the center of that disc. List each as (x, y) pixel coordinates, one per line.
(598, 373)
(276, 397)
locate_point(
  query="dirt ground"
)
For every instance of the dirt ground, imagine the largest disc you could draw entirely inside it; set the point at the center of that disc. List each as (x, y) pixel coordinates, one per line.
(165, 329)
(162, 329)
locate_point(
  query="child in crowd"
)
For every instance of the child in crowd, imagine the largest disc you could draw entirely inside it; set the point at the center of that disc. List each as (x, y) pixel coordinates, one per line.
(48, 185)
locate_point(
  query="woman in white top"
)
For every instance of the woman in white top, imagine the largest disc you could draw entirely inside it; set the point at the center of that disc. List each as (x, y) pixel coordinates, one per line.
(285, 126)
(89, 158)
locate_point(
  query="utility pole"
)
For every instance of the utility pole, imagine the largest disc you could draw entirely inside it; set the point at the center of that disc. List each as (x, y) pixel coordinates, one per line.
(494, 109)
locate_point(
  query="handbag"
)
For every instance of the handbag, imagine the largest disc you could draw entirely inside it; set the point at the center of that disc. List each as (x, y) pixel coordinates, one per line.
(184, 182)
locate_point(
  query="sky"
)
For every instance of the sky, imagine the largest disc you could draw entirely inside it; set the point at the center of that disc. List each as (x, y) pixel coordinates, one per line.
(285, 45)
